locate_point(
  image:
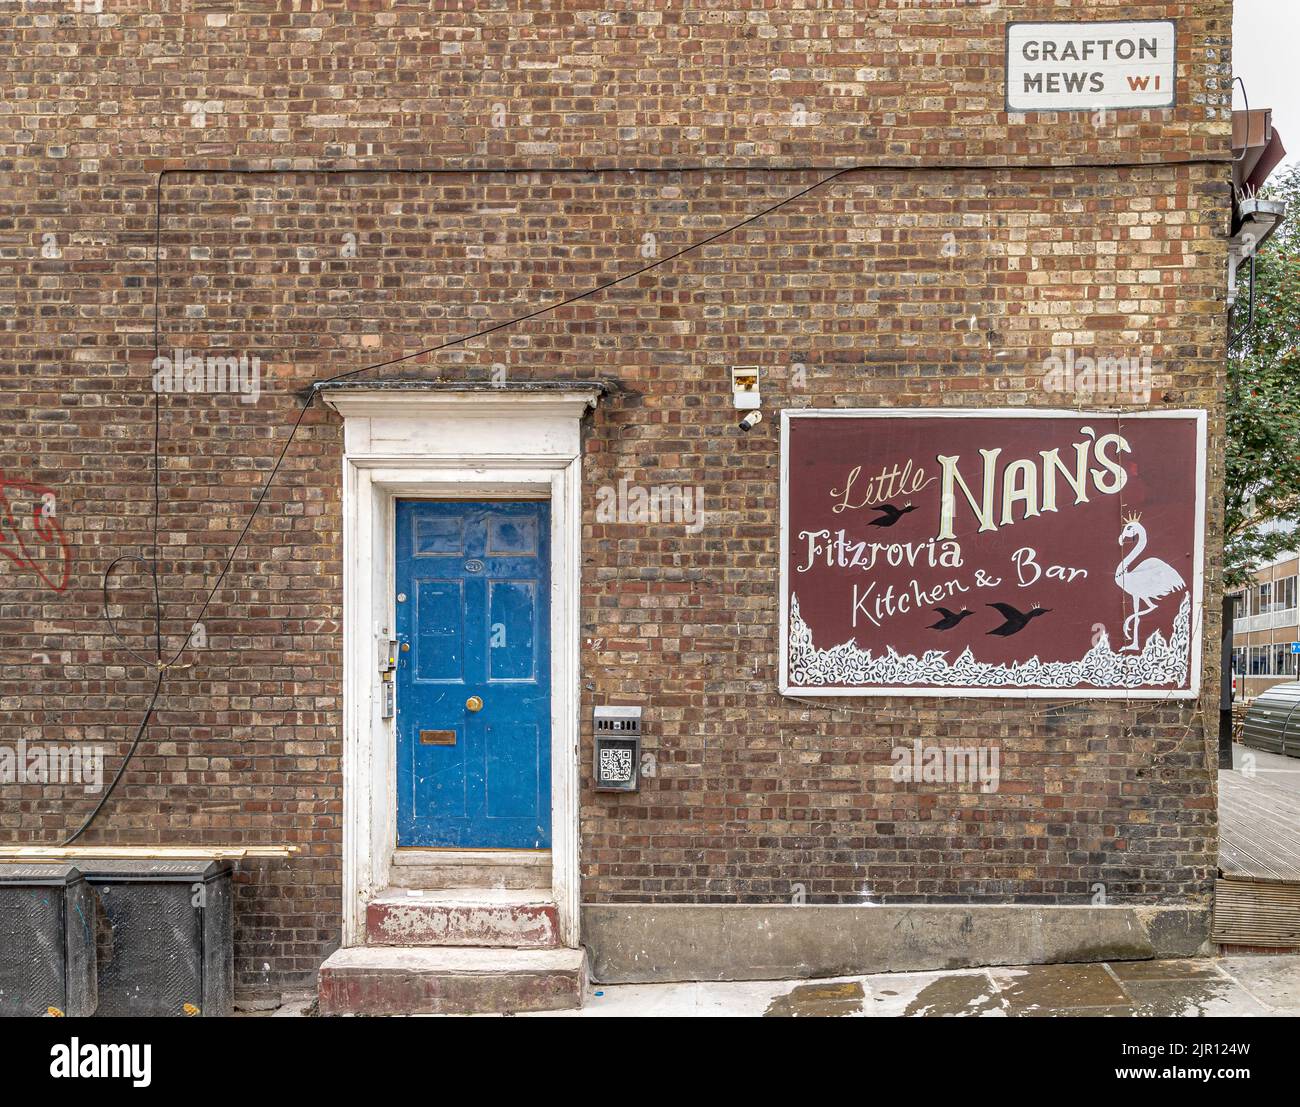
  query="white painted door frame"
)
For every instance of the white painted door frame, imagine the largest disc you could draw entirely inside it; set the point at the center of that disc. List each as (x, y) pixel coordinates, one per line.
(441, 444)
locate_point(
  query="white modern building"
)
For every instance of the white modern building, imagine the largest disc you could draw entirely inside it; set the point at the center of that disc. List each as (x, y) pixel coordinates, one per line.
(1265, 628)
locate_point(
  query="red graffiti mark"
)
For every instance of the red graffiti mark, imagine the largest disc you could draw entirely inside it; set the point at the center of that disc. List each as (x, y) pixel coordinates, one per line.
(44, 525)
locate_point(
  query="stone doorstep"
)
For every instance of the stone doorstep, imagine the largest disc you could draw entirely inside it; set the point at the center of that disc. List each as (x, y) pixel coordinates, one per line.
(443, 869)
(522, 919)
(448, 980)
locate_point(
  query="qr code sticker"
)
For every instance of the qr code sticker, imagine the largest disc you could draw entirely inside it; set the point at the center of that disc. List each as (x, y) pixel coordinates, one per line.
(616, 764)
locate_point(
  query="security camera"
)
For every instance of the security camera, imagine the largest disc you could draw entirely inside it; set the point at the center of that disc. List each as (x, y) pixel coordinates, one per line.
(751, 420)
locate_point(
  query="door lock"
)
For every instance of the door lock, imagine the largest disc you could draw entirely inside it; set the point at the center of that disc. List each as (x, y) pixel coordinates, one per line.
(387, 672)
(474, 703)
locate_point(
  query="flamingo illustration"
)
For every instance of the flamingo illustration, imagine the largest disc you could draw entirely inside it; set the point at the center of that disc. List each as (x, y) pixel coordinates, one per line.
(1152, 580)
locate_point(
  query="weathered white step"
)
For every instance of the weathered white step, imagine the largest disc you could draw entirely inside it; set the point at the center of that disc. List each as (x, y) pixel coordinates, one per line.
(448, 980)
(435, 869)
(495, 917)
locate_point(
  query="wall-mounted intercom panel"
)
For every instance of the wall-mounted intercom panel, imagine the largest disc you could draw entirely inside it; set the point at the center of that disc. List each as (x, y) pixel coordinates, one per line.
(387, 675)
(617, 740)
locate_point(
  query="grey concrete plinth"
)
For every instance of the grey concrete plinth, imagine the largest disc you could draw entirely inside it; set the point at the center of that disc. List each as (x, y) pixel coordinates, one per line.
(646, 943)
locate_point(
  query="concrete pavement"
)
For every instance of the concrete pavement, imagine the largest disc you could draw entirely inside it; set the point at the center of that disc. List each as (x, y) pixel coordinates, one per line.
(1235, 986)
(1250, 986)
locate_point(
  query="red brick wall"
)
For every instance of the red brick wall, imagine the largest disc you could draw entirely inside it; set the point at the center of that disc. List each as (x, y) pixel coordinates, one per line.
(727, 112)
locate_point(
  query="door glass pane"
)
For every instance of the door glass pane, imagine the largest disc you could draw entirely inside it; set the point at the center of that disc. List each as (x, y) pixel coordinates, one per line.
(439, 630)
(512, 617)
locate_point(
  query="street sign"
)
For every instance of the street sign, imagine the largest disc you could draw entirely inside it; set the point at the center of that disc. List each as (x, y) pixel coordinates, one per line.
(1090, 66)
(1295, 647)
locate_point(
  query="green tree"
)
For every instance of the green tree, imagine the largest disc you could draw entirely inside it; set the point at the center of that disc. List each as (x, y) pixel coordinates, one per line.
(1263, 414)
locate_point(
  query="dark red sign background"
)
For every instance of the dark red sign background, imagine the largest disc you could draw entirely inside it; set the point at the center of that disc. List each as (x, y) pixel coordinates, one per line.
(1162, 471)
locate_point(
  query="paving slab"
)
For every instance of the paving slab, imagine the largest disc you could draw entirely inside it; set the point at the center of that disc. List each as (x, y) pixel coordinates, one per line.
(820, 1000)
(961, 992)
(1165, 970)
(1078, 1013)
(954, 995)
(1193, 998)
(1058, 988)
(1273, 979)
(730, 999)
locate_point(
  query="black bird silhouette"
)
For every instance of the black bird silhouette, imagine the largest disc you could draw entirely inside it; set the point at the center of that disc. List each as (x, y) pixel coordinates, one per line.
(950, 618)
(1016, 621)
(889, 514)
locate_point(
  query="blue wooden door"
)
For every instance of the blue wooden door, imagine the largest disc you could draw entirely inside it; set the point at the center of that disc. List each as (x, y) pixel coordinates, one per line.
(473, 627)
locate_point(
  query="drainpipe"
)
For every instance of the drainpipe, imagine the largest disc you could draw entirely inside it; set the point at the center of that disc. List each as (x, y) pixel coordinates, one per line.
(1225, 683)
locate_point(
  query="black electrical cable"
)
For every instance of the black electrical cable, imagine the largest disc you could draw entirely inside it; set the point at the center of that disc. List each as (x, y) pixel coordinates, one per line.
(121, 771)
(162, 666)
(314, 389)
(157, 424)
(593, 291)
(108, 614)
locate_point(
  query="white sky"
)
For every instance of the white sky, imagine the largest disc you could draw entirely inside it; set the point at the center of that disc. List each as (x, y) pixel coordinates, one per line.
(1264, 38)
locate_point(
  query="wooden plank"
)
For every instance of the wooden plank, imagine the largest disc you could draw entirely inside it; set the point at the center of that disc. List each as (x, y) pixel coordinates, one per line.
(146, 853)
(1259, 828)
(1257, 914)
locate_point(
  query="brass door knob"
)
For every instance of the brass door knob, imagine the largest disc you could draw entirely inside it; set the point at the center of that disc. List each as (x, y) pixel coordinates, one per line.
(474, 703)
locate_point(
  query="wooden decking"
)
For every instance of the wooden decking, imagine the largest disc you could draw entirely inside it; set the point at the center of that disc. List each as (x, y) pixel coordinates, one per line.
(1257, 898)
(1259, 818)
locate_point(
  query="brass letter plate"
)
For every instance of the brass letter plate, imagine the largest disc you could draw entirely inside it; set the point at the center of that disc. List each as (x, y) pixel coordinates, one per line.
(437, 737)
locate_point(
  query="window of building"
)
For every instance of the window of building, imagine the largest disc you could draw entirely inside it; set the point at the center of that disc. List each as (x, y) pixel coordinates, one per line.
(1284, 594)
(1272, 660)
(1283, 665)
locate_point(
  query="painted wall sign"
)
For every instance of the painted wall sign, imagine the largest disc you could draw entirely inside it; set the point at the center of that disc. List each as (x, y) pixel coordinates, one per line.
(1090, 66)
(991, 553)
